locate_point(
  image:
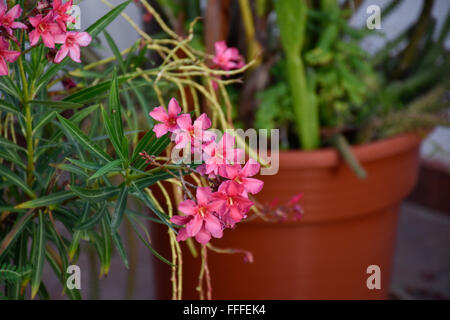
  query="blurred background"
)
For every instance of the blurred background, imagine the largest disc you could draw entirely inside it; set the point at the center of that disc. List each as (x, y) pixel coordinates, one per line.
(422, 255)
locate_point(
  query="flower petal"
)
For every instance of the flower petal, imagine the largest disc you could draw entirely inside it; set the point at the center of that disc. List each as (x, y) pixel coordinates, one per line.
(61, 54)
(74, 53)
(182, 235)
(203, 195)
(159, 114)
(203, 236)
(180, 220)
(47, 38)
(184, 121)
(34, 37)
(14, 12)
(213, 225)
(174, 107)
(253, 185)
(35, 20)
(83, 39)
(3, 67)
(194, 226)
(251, 168)
(188, 207)
(10, 56)
(160, 129)
(202, 122)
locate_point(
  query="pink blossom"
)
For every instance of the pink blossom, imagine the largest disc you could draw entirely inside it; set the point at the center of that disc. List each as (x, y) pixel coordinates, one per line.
(216, 155)
(60, 10)
(199, 218)
(7, 18)
(295, 199)
(227, 58)
(168, 119)
(240, 177)
(71, 43)
(6, 56)
(231, 205)
(196, 133)
(45, 27)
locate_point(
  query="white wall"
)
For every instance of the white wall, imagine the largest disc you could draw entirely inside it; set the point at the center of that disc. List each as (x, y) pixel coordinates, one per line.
(123, 34)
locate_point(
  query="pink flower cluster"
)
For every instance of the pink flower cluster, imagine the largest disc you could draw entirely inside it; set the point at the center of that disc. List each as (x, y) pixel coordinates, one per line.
(50, 24)
(47, 21)
(7, 24)
(227, 203)
(226, 58)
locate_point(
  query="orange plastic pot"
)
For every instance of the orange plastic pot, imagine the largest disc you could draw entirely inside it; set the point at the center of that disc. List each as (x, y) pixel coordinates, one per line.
(348, 225)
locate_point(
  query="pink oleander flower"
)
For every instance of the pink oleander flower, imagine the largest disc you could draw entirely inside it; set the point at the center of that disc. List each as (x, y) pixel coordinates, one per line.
(168, 119)
(46, 28)
(227, 58)
(199, 218)
(196, 133)
(6, 55)
(230, 204)
(71, 43)
(295, 199)
(240, 177)
(7, 18)
(216, 155)
(60, 10)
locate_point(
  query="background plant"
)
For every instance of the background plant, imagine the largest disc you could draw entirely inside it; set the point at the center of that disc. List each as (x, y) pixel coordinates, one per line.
(337, 90)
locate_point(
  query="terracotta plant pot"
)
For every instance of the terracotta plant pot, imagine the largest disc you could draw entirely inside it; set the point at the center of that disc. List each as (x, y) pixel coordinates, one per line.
(348, 225)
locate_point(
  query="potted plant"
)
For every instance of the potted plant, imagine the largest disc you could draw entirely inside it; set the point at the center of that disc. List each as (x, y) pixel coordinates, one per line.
(350, 120)
(79, 149)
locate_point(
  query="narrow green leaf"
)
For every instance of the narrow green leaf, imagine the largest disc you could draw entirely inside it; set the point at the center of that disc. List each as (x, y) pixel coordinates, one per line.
(9, 87)
(13, 178)
(58, 104)
(70, 168)
(12, 158)
(46, 119)
(15, 232)
(115, 51)
(38, 259)
(50, 73)
(147, 243)
(149, 202)
(6, 107)
(11, 145)
(83, 139)
(48, 200)
(112, 166)
(121, 204)
(95, 194)
(77, 234)
(120, 248)
(143, 144)
(111, 133)
(85, 164)
(106, 234)
(92, 220)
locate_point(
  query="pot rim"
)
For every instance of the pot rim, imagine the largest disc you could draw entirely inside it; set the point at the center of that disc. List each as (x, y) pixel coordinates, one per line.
(368, 152)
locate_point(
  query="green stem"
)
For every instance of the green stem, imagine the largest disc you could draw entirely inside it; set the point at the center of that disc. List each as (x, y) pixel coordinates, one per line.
(306, 113)
(28, 123)
(346, 152)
